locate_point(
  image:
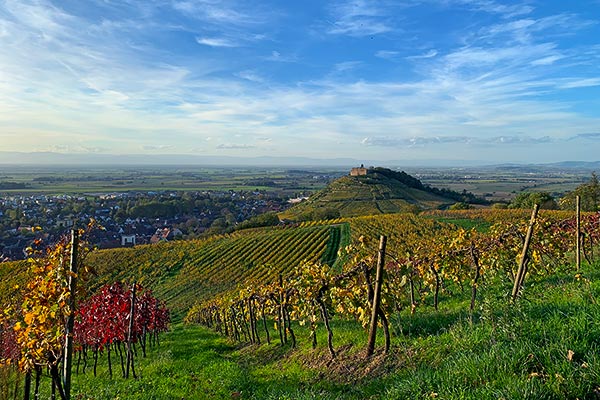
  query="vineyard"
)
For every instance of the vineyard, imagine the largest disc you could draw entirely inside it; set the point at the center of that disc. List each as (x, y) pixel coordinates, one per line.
(183, 272)
(426, 260)
(379, 192)
(304, 287)
(45, 326)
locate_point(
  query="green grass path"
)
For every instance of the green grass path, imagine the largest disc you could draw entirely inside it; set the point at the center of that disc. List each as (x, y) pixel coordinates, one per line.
(195, 363)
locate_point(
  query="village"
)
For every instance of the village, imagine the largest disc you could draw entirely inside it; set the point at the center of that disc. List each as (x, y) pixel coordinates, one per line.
(126, 219)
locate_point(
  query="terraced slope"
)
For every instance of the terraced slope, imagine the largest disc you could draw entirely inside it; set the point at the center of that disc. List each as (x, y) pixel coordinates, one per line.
(184, 272)
(404, 231)
(382, 191)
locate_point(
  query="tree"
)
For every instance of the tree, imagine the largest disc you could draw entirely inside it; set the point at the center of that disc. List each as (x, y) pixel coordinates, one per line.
(589, 194)
(528, 199)
(460, 206)
(266, 219)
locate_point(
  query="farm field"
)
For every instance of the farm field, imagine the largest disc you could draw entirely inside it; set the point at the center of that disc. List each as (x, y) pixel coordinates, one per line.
(494, 183)
(501, 183)
(68, 180)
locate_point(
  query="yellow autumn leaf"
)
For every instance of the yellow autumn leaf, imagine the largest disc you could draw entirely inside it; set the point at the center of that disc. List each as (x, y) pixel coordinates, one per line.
(29, 318)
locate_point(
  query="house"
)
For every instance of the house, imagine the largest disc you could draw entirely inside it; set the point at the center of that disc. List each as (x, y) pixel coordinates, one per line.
(64, 222)
(128, 240)
(164, 234)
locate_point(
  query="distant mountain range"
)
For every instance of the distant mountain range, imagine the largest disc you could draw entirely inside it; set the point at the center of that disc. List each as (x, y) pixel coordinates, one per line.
(52, 158)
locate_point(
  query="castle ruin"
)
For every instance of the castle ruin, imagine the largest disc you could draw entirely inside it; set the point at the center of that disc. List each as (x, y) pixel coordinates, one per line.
(360, 171)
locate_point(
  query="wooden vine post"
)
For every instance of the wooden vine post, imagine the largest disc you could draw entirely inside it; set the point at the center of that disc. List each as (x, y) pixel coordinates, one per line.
(71, 320)
(281, 310)
(130, 335)
(477, 267)
(578, 232)
(376, 296)
(522, 271)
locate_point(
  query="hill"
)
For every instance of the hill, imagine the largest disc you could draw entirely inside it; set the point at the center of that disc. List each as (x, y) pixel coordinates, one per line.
(380, 191)
(541, 347)
(184, 272)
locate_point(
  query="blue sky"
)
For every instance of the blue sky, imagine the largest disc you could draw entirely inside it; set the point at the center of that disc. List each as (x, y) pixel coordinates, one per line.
(487, 80)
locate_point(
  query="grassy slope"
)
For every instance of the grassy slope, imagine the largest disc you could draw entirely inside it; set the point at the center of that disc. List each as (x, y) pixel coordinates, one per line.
(506, 352)
(520, 352)
(368, 195)
(184, 272)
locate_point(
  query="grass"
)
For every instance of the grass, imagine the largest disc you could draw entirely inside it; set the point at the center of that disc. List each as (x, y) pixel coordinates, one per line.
(544, 347)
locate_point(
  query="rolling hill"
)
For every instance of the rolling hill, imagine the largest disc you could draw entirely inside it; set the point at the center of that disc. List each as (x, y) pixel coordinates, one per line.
(185, 272)
(380, 191)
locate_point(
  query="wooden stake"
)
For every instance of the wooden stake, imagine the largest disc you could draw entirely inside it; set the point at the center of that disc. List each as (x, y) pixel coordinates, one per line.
(376, 296)
(578, 232)
(71, 319)
(130, 335)
(520, 277)
(477, 267)
(27, 388)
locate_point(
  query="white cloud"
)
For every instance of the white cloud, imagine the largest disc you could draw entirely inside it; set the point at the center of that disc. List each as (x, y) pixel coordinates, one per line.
(526, 30)
(359, 18)
(278, 57)
(251, 76)
(476, 141)
(547, 60)
(160, 147)
(221, 12)
(216, 42)
(430, 54)
(495, 7)
(579, 83)
(387, 54)
(346, 66)
(234, 146)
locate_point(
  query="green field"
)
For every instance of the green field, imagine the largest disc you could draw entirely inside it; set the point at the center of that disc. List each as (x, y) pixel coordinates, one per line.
(67, 180)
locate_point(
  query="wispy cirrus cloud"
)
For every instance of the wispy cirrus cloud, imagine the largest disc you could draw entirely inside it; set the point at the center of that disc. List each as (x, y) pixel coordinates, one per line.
(496, 7)
(477, 141)
(430, 54)
(225, 12)
(278, 57)
(113, 82)
(217, 42)
(387, 54)
(359, 18)
(527, 29)
(250, 75)
(234, 146)
(574, 83)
